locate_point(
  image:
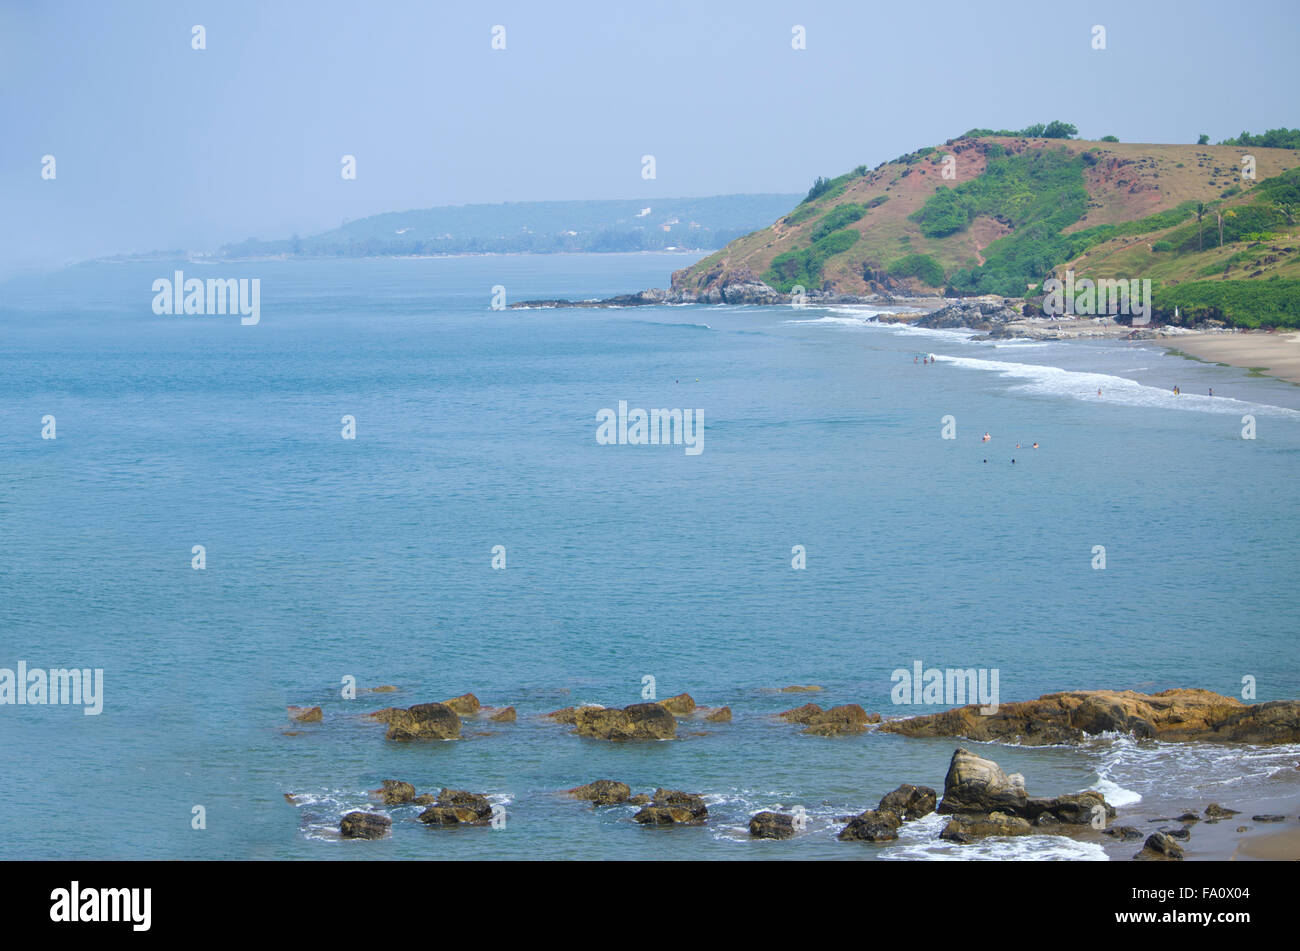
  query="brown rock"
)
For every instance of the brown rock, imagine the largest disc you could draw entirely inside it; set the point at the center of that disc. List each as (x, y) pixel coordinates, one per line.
(395, 792)
(364, 825)
(964, 829)
(640, 721)
(306, 714)
(458, 807)
(771, 825)
(1179, 714)
(672, 806)
(872, 826)
(846, 718)
(424, 721)
(909, 802)
(466, 705)
(567, 715)
(800, 714)
(603, 792)
(1216, 811)
(811, 688)
(680, 705)
(1160, 847)
(504, 715)
(720, 715)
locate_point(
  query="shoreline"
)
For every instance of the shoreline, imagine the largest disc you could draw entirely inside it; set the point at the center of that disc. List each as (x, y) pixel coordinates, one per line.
(1275, 355)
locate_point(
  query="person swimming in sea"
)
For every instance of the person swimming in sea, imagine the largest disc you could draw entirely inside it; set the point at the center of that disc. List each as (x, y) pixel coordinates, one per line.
(1035, 445)
(986, 438)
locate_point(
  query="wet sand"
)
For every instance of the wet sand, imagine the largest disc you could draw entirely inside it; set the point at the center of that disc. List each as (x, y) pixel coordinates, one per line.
(1275, 354)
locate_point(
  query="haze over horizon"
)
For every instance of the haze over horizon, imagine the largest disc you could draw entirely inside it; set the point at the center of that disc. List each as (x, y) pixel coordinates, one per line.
(162, 146)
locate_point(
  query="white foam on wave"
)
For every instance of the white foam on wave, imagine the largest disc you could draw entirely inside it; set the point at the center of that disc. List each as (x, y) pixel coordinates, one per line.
(920, 840)
(1083, 385)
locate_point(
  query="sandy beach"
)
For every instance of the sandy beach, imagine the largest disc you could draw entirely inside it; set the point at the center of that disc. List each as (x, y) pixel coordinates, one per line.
(1273, 354)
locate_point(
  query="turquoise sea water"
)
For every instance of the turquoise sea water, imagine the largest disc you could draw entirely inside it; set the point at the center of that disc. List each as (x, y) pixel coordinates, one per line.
(372, 558)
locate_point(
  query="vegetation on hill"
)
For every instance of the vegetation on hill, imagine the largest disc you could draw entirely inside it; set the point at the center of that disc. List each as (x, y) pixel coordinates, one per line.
(1000, 211)
(1272, 139)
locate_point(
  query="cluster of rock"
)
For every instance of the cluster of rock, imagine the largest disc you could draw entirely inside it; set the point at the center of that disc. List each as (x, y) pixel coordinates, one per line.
(662, 807)
(1179, 714)
(983, 313)
(846, 718)
(656, 720)
(983, 800)
(881, 824)
(449, 807)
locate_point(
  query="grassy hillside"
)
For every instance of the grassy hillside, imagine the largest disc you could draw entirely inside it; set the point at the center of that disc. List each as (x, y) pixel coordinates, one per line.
(1017, 209)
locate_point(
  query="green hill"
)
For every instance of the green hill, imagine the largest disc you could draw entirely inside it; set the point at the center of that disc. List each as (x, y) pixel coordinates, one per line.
(996, 212)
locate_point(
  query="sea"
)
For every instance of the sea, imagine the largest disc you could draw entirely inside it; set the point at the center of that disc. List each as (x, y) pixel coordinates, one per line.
(476, 536)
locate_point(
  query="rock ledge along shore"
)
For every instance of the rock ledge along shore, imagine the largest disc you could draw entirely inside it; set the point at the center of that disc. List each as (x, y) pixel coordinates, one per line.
(1180, 714)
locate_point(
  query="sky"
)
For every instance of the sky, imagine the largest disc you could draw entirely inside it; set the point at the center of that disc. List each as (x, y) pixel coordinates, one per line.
(161, 146)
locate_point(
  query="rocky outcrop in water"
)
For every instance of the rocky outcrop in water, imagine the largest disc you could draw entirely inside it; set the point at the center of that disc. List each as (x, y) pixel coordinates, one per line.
(978, 789)
(306, 714)
(874, 825)
(771, 825)
(603, 792)
(364, 825)
(458, 807)
(979, 314)
(396, 792)
(673, 807)
(846, 718)
(909, 802)
(424, 721)
(1179, 714)
(640, 721)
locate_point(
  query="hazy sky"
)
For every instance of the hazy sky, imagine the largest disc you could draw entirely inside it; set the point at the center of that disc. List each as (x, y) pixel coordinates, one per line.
(159, 145)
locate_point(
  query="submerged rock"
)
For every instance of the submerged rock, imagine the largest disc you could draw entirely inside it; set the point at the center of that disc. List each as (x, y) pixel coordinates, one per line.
(720, 715)
(1268, 818)
(603, 792)
(909, 802)
(306, 714)
(874, 825)
(424, 721)
(640, 721)
(1179, 714)
(504, 715)
(364, 825)
(771, 825)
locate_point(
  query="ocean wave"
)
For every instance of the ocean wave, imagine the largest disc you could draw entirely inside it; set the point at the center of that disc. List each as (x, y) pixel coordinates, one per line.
(920, 840)
(1083, 385)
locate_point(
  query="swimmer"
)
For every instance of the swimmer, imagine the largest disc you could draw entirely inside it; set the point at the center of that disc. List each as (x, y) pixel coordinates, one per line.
(1035, 445)
(1211, 391)
(1099, 391)
(986, 438)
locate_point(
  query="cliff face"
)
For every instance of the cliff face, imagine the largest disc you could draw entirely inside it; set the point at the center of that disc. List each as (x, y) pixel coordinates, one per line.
(1017, 210)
